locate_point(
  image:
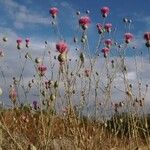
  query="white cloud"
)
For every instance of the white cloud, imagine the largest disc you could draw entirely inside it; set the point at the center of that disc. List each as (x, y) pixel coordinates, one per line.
(21, 15)
(37, 49)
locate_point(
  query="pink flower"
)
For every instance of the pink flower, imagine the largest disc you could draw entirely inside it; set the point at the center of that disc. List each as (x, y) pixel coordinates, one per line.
(108, 27)
(53, 11)
(147, 38)
(13, 94)
(105, 11)
(128, 37)
(105, 51)
(62, 47)
(42, 69)
(99, 28)
(108, 43)
(27, 40)
(87, 72)
(84, 22)
(19, 41)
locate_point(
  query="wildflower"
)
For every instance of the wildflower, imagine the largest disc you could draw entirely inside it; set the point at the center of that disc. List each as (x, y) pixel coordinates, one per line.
(100, 28)
(108, 27)
(84, 22)
(35, 105)
(87, 72)
(19, 41)
(62, 47)
(13, 94)
(48, 84)
(128, 37)
(105, 11)
(147, 38)
(27, 42)
(53, 11)
(108, 43)
(105, 51)
(42, 69)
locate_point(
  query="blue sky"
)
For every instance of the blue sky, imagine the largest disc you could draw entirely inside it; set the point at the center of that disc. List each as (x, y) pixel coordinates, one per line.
(30, 18)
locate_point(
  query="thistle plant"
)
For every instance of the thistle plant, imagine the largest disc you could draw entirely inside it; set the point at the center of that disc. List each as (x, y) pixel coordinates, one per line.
(69, 98)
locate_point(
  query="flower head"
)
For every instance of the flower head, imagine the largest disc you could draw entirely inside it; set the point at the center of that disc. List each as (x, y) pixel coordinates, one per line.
(19, 41)
(13, 94)
(27, 40)
(62, 47)
(42, 69)
(48, 84)
(53, 11)
(87, 72)
(108, 27)
(128, 37)
(100, 28)
(147, 38)
(105, 51)
(84, 22)
(104, 11)
(108, 43)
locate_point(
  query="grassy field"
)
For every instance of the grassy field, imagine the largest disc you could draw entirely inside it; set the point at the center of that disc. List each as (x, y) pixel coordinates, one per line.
(23, 129)
(69, 97)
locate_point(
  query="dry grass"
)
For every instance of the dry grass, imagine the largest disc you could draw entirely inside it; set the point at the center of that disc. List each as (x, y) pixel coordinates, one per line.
(60, 132)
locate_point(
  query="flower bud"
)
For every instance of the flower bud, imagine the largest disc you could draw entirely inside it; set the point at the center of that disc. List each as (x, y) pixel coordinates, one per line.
(52, 97)
(38, 60)
(62, 57)
(55, 84)
(1, 92)
(5, 39)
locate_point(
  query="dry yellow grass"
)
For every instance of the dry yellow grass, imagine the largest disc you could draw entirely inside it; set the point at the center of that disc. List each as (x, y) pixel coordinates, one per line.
(23, 128)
